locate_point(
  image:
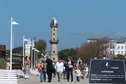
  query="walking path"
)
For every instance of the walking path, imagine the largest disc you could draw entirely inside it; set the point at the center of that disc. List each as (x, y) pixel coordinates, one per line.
(34, 79)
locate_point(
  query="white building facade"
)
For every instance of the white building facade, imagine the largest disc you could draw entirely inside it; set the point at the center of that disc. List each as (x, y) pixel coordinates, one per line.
(117, 45)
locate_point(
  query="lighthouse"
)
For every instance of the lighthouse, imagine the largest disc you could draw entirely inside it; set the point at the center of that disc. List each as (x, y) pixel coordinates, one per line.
(54, 40)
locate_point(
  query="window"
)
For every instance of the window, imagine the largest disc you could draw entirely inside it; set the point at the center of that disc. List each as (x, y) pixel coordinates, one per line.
(121, 47)
(113, 52)
(110, 52)
(53, 33)
(53, 38)
(118, 52)
(53, 29)
(122, 52)
(53, 58)
(118, 47)
(113, 46)
(53, 51)
(1, 55)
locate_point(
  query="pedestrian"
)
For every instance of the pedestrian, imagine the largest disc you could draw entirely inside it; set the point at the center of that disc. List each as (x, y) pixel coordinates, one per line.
(43, 71)
(65, 71)
(54, 72)
(82, 68)
(39, 67)
(59, 66)
(79, 61)
(78, 74)
(70, 65)
(50, 68)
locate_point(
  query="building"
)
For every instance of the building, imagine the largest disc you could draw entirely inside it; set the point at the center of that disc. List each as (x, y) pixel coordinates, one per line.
(54, 40)
(117, 45)
(16, 56)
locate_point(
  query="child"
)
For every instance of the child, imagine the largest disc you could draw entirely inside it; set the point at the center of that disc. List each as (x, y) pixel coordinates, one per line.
(78, 74)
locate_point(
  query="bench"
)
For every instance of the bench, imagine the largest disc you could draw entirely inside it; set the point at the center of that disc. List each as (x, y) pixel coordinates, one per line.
(8, 77)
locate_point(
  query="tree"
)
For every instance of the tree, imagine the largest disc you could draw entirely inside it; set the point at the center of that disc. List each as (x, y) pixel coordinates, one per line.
(121, 57)
(93, 49)
(41, 46)
(2, 63)
(63, 54)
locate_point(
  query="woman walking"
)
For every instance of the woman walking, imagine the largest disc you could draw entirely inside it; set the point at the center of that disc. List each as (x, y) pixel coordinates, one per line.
(70, 65)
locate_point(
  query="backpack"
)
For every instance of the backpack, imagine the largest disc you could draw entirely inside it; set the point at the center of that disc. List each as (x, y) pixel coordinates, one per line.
(39, 67)
(44, 66)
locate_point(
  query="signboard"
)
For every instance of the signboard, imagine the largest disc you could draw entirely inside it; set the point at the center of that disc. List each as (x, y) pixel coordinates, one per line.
(107, 71)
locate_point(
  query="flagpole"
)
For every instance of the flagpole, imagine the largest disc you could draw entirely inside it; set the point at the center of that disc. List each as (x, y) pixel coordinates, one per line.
(23, 50)
(31, 55)
(11, 45)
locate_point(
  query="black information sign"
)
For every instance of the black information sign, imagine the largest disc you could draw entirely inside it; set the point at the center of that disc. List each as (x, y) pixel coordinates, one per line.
(107, 71)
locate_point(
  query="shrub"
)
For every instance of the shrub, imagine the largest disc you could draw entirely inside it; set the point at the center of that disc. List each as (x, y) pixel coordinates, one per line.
(2, 63)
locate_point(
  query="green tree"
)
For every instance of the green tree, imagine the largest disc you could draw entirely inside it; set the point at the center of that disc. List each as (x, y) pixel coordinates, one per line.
(120, 56)
(63, 54)
(2, 63)
(41, 46)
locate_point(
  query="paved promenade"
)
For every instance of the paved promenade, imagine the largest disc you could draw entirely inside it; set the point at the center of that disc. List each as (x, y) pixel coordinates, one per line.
(35, 80)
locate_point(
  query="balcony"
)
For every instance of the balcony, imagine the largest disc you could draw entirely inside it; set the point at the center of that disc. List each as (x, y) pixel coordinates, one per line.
(54, 41)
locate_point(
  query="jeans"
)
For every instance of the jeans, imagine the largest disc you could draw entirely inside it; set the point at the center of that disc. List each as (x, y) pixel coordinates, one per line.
(42, 75)
(78, 78)
(64, 74)
(70, 72)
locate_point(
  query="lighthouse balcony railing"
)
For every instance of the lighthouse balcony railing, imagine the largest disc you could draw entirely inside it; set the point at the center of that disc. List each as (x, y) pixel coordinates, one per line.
(54, 41)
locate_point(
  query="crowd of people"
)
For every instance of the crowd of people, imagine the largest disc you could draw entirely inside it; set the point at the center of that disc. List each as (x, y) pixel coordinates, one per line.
(63, 70)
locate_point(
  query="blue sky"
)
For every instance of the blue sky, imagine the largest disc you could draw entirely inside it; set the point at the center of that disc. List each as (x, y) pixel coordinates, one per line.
(77, 19)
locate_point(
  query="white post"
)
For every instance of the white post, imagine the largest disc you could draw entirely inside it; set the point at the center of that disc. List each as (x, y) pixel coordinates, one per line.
(13, 40)
(23, 50)
(34, 57)
(31, 58)
(11, 45)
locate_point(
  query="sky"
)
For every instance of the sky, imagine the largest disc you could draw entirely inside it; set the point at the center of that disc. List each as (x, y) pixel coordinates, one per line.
(78, 20)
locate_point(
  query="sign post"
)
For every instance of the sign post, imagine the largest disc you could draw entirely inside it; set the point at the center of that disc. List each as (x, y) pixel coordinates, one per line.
(107, 72)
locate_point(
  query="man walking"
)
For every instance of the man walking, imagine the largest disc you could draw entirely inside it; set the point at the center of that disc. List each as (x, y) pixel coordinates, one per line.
(59, 69)
(49, 67)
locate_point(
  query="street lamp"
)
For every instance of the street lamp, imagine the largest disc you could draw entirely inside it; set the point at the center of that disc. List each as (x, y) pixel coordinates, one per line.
(11, 32)
(37, 51)
(34, 56)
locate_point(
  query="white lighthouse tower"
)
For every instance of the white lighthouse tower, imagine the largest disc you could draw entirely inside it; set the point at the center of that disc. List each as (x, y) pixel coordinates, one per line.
(54, 40)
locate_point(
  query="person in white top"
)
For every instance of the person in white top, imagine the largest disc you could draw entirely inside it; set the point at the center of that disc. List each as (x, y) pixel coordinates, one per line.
(79, 61)
(78, 74)
(59, 66)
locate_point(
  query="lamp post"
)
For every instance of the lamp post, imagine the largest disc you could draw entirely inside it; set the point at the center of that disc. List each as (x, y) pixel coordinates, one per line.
(11, 40)
(34, 56)
(37, 51)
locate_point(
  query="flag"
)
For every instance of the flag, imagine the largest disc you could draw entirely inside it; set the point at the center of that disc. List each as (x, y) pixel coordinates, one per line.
(14, 23)
(33, 43)
(25, 39)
